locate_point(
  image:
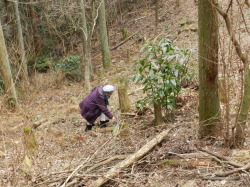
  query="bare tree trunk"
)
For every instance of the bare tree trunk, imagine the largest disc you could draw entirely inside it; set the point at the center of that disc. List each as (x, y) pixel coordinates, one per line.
(156, 12)
(104, 36)
(21, 43)
(6, 72)
(242, 118)
(158, 114)
(209, 106)
(239, 137)
(8, 18)
(86, 46)
(123, 98)
(35, 33)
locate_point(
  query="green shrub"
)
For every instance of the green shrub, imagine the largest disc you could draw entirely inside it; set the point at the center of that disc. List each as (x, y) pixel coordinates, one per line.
(71, 66)
(42, 64)
(161, 70)
(125, 33)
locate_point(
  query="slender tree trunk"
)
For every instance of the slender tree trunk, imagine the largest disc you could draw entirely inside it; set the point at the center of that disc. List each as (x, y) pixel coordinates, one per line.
(104, 35)
(242, 118)
(35, 33)
(86, 46)
(239, 137)
(21, 43)
(158, 114)
(209, 107)
(156, 12)
(123, 98)
(6, 72)
(8, 18)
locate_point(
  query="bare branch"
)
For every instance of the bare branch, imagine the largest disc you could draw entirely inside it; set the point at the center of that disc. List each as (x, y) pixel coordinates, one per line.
(130, 159)
(244, 20)
(231, 33)
(244, 168)
(247, 3)
(229, 5)
(94, 21)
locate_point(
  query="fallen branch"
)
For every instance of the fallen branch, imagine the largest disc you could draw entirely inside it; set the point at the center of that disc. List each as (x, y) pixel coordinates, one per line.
(87, 160)
(127, 114)
(127, 39)
(116, 157)
(214, 178)
(232, 163)
(45, 122)
(131, 159)
(225, 174)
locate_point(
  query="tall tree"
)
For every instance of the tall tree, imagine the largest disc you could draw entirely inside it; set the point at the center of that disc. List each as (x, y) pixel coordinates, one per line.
(156, 13)
(239, 136)
(21, 42)
(35, 34)
(86, 45)
(6, 72)
(209, 106)
(104, 35)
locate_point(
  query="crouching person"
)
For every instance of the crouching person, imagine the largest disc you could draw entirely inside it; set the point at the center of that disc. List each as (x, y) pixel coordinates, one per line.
(95, 105)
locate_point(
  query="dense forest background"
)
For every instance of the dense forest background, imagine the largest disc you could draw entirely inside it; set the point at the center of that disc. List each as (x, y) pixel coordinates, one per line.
(42, 139)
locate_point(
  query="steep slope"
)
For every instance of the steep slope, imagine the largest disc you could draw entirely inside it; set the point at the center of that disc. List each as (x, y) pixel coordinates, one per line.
(62, 143)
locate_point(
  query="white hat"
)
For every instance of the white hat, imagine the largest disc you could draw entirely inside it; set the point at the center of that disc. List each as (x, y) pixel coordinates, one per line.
(108, 88)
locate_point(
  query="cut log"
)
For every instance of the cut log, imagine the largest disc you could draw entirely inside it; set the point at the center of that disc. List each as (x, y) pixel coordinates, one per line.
(131, 159)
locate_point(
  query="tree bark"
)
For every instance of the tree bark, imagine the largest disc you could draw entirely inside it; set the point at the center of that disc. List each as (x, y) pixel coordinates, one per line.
(35, 33)
(158, 114)
(242, 118)
(209, 107)
(21, 43)
(156, 13)
(86, 46)
(104, 36)
(123, 98)
(6, 72)
(131, 159)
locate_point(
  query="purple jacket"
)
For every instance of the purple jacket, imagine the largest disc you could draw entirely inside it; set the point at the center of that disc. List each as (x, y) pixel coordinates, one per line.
(93, 105)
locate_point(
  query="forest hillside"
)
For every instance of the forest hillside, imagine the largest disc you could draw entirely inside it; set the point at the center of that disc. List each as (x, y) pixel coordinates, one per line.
(43, 142)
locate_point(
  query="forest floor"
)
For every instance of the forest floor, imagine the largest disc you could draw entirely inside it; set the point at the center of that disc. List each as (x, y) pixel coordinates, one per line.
(62, 144)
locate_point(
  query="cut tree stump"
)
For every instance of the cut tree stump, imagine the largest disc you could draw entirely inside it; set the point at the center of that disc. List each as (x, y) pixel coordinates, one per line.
(123, 98)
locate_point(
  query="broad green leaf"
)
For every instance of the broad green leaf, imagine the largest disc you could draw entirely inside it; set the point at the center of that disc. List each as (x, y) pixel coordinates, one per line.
(137, 78)
(176, 72)
(154, 64)
(151, 73)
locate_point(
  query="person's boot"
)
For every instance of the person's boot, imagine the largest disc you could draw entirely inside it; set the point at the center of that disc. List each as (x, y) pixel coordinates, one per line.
(103, 123)
(88, 127)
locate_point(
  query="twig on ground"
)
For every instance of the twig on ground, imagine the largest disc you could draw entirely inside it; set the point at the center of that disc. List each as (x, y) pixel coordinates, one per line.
(228, 161)
(131, 159)
(215, 178)
(242, 169)
(87, 160)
